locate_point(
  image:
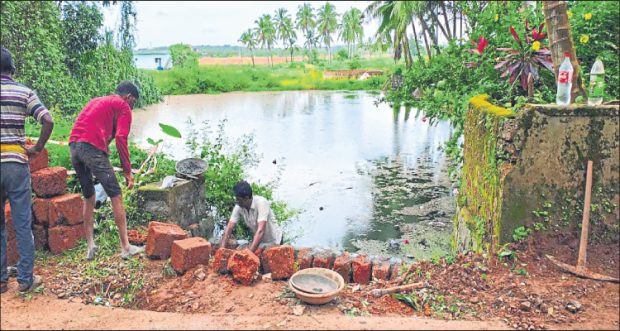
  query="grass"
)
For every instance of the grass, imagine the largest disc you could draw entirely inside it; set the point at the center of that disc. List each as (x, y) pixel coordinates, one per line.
(282, 77)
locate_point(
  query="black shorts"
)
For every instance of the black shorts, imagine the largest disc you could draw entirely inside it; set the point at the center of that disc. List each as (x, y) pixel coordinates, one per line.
(87, 161)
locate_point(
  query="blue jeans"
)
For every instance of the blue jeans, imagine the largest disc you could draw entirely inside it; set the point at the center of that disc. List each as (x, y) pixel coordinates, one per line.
(16, 187)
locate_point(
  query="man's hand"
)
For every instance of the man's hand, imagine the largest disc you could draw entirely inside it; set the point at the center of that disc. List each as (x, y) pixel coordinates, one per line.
(129, 180)
(33, 151)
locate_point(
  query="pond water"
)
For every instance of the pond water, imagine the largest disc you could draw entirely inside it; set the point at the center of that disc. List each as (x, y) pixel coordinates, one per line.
(362, 174)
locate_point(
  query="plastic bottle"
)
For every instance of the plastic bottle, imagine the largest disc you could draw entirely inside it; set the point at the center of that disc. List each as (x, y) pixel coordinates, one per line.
(565, 81)
(597, 83)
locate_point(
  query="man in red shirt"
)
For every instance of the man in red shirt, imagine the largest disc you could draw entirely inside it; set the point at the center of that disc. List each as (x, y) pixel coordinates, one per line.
(104, 119)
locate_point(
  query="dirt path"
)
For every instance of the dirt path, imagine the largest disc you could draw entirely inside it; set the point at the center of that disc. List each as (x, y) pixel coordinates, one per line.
(44, 312)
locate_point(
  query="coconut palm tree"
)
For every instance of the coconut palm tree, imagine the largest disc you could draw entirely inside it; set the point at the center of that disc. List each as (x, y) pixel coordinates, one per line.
(279, 19)
(247, 39)
(265, 32)
(288, 35)
(327, 23)
(306, 21)
(351, 30)
(284, 29)
(395, 17)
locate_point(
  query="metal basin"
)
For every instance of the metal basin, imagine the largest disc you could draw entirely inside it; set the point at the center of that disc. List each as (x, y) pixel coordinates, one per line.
(191, 168)
(316, 286)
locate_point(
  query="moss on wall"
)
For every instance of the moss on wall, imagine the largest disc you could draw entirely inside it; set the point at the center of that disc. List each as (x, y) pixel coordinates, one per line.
(528, 169)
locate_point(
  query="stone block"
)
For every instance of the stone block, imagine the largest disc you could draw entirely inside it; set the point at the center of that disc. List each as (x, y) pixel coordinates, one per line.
(65, 209)
(160, 238)
(39, 162)
(304, 258)
(8, 220)
(362, 269)
(279, 260)
(49, 182)
(381, 269)
(342, 265)
(40, 237)
(220, 260)
(323, 258)
(243, 265)
(62, 238)
(41, 210)
(190, 252)
(183, 204)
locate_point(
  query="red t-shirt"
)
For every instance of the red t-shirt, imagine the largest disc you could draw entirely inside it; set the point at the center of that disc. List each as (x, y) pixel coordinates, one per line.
(95, 125)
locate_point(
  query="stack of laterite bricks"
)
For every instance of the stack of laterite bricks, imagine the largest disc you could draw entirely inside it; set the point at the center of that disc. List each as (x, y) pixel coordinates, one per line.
(57, 216)
(167, 240)
(282, 261)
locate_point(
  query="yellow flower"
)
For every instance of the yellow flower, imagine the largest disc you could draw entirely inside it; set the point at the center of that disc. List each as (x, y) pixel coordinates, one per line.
(584, 38)
(536, 46)
(587, 16)
(496, 17)
(569, 13)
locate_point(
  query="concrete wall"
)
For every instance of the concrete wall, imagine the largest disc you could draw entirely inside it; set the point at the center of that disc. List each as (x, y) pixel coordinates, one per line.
(528, 169)
(184, 204)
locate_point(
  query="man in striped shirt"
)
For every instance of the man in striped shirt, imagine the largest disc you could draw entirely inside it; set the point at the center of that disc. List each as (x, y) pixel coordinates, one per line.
(16, 103)
(103, 119)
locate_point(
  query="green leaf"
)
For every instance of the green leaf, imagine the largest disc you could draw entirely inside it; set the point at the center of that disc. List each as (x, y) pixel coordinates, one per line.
(153, 142)
(170, 130)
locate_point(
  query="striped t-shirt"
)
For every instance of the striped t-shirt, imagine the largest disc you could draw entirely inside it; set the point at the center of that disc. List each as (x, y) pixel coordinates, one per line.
(16, 103)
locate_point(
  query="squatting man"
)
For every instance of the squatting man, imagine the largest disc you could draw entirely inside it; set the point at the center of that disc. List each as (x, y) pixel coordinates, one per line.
(257, 215)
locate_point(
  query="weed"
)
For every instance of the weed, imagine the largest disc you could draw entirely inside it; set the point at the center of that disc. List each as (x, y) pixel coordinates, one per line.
(521, 233)
(167, 270)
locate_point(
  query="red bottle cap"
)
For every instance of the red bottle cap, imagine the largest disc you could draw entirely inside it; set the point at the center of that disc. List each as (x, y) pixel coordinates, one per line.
(567, 54)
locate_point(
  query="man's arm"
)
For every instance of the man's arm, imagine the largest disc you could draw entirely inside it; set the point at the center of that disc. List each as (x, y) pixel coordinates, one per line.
(229, 229)
(37, 110)
(258, 236)
(46, 132)
(123, 124)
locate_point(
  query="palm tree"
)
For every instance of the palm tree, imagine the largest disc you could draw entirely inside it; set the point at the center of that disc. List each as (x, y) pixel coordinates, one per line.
(279, 19)
(288, 35)
(306, 21)
(351, 30)
(395, 17)
(327, 23)
(247, 39)
(265, 32)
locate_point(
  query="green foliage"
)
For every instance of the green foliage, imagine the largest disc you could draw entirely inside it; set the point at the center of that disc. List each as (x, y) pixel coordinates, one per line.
(410, 299)
(342, 54)
(521, 233)
(472, 74)
(603, 33)
(60, 52)
(228, 162)
(283, 77)
(183, 56)
(170, 130)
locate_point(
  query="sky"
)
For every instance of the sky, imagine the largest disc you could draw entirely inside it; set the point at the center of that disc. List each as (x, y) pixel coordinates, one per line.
(163, 23)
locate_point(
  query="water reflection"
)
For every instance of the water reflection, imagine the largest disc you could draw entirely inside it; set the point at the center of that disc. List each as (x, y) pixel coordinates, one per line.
(334, 150)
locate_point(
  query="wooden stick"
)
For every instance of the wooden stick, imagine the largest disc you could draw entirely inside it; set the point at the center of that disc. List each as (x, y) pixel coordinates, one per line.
(381, 292)
(585, 223)
(584, 273)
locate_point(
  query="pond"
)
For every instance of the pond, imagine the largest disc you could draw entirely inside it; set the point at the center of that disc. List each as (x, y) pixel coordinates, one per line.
(366, 177)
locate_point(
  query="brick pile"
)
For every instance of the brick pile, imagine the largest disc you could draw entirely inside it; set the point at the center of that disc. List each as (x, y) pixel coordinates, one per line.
(160, 238)
(57, 216)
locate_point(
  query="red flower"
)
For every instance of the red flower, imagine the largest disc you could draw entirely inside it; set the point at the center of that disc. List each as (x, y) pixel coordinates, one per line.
(482, 43)
(515, 35)
(538, 36)
(406, 241)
